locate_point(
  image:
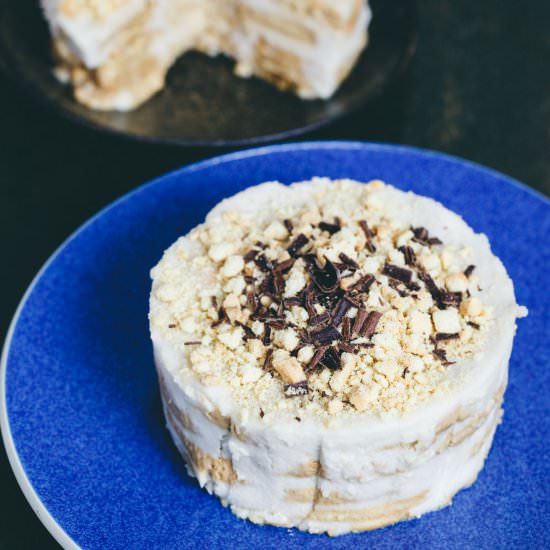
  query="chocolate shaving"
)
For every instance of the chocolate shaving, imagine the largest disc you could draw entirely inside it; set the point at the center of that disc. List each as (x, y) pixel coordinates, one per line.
(443, 336)
(296, 390)
(364, 283)
(249, 279)
(312, 261)
(278, 282)
(305, 337)
(433, 289)
(345, 347)
(284, 266)
(369, 326)
(452, 299)
(329, 299)
(396, 286)
(420, 233)
(316, 358)
(331, 228)
(474, 325)
(326, 335)
(308, 303)
(396, 272)
(349, 262)
(441, 354)
(368, 235)
(267, 335)
(248, 333)
(410, 256)
(267, 360)
(469, 270)
(340, 311)
(328, 278)
(353, 301)
(292, 301)
(261, 245)
(261, 313)
(297, 244)
(250, 255)
(262, 414)
(422, 237)
(193, 343)
(360, 319)
(370, 247)
(319, 319)
(277, 324)
(252, 300)
(267, 286)
(214, 302)
(262, 262)
(346, 329)
(366, 229)
(289, 225)
(172, 325)
(413, 286)
(330, 359)
(222, 317)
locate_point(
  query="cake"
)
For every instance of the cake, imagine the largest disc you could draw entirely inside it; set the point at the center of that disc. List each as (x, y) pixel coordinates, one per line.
(116, 53)
(332, 356)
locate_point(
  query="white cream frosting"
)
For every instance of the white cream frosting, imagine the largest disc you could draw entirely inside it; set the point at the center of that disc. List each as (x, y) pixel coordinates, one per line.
(371, 460)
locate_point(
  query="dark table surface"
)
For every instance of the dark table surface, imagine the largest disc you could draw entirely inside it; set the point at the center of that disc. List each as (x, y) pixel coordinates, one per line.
(479, 88)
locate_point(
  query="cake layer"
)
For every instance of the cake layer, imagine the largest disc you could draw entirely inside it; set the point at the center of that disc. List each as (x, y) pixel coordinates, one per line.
(395, 482)
(117, 58)
(327, 357)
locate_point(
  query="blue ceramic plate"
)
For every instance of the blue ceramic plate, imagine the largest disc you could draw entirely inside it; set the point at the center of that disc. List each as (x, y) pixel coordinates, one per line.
(81, 416)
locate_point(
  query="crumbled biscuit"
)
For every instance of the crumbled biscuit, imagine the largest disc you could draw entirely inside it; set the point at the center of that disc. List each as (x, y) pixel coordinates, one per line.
(363, 397)
(256, 347)
(472, 307)
(456, 282)
(335, 406)
(340, 377)
(288, 367)
(219, 252)
(305, 354)
(233, 266)
(286, 339)
(276, 231)
(446, 320)
(251, 297)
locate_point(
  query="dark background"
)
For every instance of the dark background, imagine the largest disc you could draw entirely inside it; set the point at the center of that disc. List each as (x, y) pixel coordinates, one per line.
(479, 88)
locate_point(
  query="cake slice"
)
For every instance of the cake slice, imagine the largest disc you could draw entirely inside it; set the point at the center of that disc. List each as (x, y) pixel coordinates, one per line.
(116, 53)
(332, 356)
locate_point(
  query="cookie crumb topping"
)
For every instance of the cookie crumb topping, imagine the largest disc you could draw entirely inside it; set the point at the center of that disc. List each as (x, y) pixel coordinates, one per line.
(331, 305)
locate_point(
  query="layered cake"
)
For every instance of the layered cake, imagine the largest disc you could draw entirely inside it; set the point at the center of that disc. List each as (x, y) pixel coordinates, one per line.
(116, 53)
(332, 355)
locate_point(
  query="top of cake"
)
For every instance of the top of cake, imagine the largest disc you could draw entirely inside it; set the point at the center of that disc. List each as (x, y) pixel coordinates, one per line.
(330, 298)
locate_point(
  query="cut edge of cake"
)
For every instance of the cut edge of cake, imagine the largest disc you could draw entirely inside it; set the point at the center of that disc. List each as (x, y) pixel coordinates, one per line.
(116, 54)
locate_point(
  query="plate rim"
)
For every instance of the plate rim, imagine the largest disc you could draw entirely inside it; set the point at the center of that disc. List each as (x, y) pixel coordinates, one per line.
(32, 497)
(16, 77)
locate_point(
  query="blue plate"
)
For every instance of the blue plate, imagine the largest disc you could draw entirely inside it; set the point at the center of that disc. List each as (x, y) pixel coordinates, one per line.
(81, 415)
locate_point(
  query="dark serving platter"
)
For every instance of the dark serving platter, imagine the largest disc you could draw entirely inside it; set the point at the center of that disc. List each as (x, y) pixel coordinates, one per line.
(204, 103)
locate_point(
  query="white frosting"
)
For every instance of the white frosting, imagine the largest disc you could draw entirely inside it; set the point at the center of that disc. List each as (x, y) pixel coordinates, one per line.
(370, 459)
